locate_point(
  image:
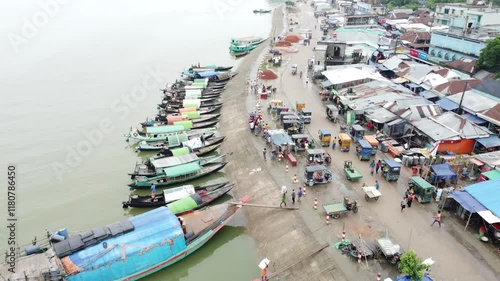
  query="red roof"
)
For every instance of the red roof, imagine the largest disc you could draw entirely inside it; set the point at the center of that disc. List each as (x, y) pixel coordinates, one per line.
(463, 64)
(456, 86)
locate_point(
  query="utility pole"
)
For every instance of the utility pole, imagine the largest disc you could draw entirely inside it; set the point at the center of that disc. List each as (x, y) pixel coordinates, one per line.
(459, 111)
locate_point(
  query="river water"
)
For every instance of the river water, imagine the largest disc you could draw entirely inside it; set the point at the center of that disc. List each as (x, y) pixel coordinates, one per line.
(75, 75)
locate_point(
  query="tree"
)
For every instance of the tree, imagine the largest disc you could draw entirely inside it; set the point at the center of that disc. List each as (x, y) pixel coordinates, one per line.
(412, 266)
(489, 59)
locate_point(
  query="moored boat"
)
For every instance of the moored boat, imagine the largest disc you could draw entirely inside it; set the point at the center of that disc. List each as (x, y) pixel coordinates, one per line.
(161, 146)
(197, 201)
(240, 54)
(194, 116)
(177, 174)
(196, 103)
(200, 151)
(202, 110)
(170, 195)
(249, 40)
(241, 48)
(261, 11)
(130, 249)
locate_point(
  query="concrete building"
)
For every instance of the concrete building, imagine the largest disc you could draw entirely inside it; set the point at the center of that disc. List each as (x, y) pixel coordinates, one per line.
(466, 15)
(453, 45)
(372, 7)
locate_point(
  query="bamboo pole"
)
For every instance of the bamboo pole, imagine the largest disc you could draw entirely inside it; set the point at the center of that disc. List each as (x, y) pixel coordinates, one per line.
(264, 206)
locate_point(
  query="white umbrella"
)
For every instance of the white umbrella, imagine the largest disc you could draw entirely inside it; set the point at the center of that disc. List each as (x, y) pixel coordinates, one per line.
(264, 263)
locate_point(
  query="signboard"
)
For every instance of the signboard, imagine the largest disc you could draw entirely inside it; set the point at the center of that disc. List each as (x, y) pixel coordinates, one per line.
(422, 56)
(418, 54)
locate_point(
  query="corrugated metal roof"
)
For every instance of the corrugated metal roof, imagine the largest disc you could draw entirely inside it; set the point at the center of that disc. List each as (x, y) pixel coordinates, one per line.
(473, 102)
(392, 63)
(174, 160)
(375, 100)
(487, 193)
(491, 158)
(464, 127)
(435, 130)
(418, 112)
(380, 115)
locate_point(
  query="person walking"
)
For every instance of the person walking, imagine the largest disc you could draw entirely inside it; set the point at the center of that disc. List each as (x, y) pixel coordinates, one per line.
(372, 166)
(377, 166)
(403, 204)
(300, 193)
(334, 143)
(377, 185)
(307, 81)
(263, 274)
(293, 196)
(410, 199)
(264, 153)
(283, 199)
(437, 219)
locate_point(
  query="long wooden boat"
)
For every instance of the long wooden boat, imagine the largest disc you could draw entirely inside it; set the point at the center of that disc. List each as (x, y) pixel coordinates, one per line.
(200, 151)
(261, 11)
(170, 195)
(179, 97)
(249, 40)
(130, 249)
(195, 118)
(186, 104)
(197, 201)
(240, 54)
(154, 167)
(202, 110)
(160, 146)
(180, 102)
(170, 137)
(177, 174)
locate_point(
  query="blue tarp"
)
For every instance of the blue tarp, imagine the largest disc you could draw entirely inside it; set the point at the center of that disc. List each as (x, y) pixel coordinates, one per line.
(474, 119)
(467, 201)
(407, 278)
(208, 74)
(392, 164)
(444, 171)
(364, 144)
(489, 142)
(280, 139)
(488, 194)
(156, 237)
(447, 104)
(326, 83)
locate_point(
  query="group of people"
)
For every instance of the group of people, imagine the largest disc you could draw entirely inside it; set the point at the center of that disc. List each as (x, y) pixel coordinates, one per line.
(407, 199)
(374, 167)
(294, 195)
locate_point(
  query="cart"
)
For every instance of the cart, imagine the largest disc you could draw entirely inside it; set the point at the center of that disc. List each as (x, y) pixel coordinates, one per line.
(351, 173)
(371, 192)
(338, 208)
(392, 252)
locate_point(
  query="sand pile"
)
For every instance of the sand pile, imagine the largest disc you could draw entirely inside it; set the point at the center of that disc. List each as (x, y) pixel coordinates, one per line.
(283, 44)
(293, 38)
(268, 75)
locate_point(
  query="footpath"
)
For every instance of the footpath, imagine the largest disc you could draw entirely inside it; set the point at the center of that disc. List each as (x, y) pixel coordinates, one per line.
(295, 240)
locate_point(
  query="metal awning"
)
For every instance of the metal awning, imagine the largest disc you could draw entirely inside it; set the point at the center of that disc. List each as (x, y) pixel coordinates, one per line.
(413, 85)
(489, 217)
(476, 162)
(399, 80)
(489, 142)
(474, 119)
(326, 83)
(428, 95)
(447, 104)
(467, 201)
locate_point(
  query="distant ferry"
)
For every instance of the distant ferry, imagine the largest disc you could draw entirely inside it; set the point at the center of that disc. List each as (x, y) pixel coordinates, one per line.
(250, 40)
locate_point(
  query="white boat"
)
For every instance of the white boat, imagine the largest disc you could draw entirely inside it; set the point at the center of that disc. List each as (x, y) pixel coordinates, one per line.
(173, 194)
(249, 40)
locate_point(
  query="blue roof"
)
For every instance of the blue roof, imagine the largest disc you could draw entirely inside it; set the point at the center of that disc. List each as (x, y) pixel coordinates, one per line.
(489, 142)
(364, 143)
(325, 132)
(279, 139)
(391, 163)
(208, 73)
(407, 278)
(326, 83)
(473, 118)
(444, 171)
(447, 104)
(487, 193)
(467, 201)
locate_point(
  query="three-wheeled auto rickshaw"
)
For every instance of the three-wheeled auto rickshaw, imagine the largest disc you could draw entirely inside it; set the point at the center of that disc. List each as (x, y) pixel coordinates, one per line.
(294, 69)
(279, 110)
(390, 170)
(299, 105)
(306, 115)
(363, 149)
(357, 132)
(300, 141)
(351, 172)
(422, 189)
(316, 174)
(373, 142)
(332, 112)
(387, 248)
(344, 142)
(318, 156)
(282, 115)
(324, 137)
(273, 105)
(293, 126)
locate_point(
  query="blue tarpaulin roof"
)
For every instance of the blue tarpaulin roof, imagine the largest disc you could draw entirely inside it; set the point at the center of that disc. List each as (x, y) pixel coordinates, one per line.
(447, 104)
(467, 201)
(326, 83)
(474, 118)
(489, 142)
(280, 139)
(444, 171)
(487, 193)
(208, 73)
(391, 163)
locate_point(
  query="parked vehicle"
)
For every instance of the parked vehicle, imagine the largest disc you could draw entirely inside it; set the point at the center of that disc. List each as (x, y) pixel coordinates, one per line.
(371, 192)
(390, 251)
(332, 112)
(363, 149)
(344, 142)
(351, 173)
(317, 174)
(318, 156)
(293, 126)
(373, 142)
(300, 141)
(390, 170)
(324, 137)
(422, 189)
(357, 132)
(305, 115)
(338, 208)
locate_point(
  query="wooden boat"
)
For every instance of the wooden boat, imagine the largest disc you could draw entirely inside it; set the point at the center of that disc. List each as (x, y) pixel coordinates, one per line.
(164, 133)
(242, 48)
(249, 40)
(224, 76)
(170, 195)
(122, 250)
(240, 54)
(200, 151)
(210, 67)
(261, 11)
(197, 201)
(202, 110)
(177, 174)
(159, 146)
(180, 102)
(154, 167)
(186, 104)
(201, 118)
(179, 96)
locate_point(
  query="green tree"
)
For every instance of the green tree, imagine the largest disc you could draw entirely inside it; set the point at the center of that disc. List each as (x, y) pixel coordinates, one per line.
(412, 266)
(489, 59)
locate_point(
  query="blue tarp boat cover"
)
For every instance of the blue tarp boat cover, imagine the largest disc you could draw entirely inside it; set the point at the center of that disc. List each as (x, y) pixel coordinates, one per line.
(208, 74)
(489, 142)
(488, 194)
(157, 236)
(444, 171)
(447, 104)
(467, 201)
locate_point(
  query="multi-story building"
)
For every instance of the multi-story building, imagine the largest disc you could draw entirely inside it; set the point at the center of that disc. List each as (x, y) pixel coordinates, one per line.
(372, 7)
(466, 15)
